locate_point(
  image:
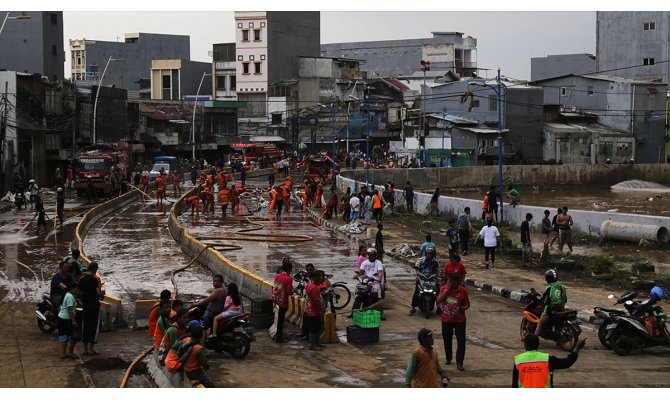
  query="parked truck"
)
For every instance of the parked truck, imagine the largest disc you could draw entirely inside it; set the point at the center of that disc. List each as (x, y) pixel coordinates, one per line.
(99, 162)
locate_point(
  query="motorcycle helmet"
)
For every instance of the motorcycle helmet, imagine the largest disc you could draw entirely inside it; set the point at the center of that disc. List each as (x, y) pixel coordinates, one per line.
(551, 276)
(372, 250)
(657, 293)
(193, 324)
(430, 249)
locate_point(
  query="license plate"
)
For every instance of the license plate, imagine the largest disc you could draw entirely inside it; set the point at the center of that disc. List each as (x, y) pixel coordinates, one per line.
(611, 326)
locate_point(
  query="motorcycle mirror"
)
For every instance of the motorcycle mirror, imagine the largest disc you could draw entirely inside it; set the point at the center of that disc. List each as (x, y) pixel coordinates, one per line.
(610, 296)
(629, 303)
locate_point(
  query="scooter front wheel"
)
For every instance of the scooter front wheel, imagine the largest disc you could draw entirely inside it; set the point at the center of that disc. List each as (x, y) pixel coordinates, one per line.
(526, 328)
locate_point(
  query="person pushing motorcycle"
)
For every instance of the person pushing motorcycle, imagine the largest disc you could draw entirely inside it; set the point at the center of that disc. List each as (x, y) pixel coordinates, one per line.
(427, 266)
(553, 298)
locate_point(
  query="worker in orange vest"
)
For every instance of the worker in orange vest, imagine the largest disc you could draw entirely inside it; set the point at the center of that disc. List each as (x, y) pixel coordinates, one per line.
(302, 195)
(319, 194)
(175, 183)
(273, 198)
(533, 369)
(224, 199)
(286, 196)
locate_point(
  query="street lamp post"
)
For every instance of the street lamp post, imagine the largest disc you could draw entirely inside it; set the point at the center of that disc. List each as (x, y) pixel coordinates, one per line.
(195, 105)
(444, 128)
(18, 17)
(97, 95)
(367, 149)
(498, 89)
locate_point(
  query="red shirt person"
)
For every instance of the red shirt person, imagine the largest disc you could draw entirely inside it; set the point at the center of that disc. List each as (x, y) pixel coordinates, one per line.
(315, 309)
(455, 267)
(454, 299)
(282, 290)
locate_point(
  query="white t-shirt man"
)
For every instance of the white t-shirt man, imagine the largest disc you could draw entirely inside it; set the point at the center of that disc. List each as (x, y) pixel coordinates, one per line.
(490, 233)
(355, 203)
(374, 269)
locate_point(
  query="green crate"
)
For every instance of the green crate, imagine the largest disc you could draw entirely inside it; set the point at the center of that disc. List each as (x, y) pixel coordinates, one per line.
(367, 319)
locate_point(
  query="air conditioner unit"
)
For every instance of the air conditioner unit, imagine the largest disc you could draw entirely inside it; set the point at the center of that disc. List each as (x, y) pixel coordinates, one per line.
(482, 150)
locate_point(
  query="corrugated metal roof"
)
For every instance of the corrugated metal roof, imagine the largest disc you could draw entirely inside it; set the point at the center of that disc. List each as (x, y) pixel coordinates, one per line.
(267, 139)
(482, 130)
(454, 119)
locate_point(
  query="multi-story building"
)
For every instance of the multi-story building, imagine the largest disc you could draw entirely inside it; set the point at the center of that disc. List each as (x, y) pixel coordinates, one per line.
(267, 48)
(224, 84)
(555, 65)
(131, 68)
(633, 106)
(177, 79)
(470, 127)
(446, 51)
(33, 45)
(633, 44)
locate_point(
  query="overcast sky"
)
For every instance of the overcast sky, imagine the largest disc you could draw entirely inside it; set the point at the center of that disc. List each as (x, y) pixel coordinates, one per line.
(504, 39)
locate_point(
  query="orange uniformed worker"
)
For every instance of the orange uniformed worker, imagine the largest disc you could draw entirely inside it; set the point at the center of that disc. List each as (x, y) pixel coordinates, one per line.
(224, 199)
(319, 193)
(273, 198)
(533, 369)
(175, 183)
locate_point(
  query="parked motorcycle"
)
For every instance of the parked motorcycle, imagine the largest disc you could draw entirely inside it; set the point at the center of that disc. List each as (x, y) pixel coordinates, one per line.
(236, 342)
(427, 286)
(19, 199)
(562, 327)
(645, 329)
(47, 314)
(606, 316)
(365, 295)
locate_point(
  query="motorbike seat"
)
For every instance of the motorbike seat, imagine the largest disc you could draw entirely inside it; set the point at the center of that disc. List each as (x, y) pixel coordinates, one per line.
(564, 314)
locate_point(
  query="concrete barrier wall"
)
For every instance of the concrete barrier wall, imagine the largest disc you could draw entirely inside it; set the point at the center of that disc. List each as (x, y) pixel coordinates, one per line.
(584, 221)
(543, 175)
(250, 285)
(110, 306)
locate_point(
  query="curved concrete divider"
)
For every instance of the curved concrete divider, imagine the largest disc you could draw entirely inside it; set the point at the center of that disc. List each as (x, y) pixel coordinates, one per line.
(250, 285)
(110, 306)
(584, 221)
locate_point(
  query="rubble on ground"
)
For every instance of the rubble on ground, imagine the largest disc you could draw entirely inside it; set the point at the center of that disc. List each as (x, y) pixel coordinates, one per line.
(406, 250)
(353, 227)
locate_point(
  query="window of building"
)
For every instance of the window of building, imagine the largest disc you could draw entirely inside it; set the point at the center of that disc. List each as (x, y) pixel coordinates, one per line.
(245, 68)
(589, 90)
(166, 81)
(257, 68)
(475, 104)
(221, 82)
(648, 61)
(239, 25)
(245, 35)
(493, 102)
(251, 24)
(651, 93)
(262, 57)
(564, 91)
(252, 57)
(257, 35)
(262, 24)
(233, 83)
(650, 26)
(54, 19)
(276, 118)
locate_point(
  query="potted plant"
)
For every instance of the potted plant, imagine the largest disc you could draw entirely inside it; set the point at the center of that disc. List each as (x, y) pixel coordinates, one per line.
(603, 267)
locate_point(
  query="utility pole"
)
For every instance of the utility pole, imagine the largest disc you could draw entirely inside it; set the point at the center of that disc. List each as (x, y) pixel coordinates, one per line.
(3, 134)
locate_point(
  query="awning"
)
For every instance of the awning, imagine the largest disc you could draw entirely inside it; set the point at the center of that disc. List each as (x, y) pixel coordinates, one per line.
(267, 139)
(482, 130)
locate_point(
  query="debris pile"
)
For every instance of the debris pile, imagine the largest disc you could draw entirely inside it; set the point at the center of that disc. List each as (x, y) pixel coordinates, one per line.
(353, 227)
(406, 250)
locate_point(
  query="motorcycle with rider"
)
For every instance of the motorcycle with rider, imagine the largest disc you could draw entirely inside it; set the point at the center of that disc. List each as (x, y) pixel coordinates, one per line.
(426, 271)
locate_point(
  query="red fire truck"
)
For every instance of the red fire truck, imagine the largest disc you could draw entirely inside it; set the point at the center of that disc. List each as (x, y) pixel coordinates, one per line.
(254, 152)
(98, 161)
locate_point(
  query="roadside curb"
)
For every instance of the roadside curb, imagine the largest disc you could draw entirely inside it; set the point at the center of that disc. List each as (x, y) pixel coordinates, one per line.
(514, 295)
